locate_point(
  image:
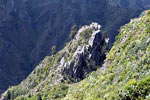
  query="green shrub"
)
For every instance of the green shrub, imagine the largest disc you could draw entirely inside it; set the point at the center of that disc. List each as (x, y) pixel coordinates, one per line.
(73, 31)
(58, 91)
(136, 90)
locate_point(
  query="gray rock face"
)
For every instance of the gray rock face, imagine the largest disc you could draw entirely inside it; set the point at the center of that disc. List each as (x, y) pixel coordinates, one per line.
(29, 28)
(87, 55)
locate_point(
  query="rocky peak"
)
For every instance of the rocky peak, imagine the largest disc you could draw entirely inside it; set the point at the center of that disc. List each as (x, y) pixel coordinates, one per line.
(89, 51)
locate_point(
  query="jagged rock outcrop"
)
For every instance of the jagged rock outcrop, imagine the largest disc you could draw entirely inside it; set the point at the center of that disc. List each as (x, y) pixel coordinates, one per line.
(84, 54)
(91, 53)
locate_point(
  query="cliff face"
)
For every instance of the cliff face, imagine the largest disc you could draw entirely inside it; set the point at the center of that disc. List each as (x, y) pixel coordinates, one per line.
(28, 29)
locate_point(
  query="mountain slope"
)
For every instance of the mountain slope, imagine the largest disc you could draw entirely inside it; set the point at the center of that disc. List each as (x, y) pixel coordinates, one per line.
(125, 73)
(84, 54)
(29, 28)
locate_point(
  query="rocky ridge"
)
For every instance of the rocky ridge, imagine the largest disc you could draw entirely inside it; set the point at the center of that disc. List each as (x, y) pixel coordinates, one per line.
(84, 54)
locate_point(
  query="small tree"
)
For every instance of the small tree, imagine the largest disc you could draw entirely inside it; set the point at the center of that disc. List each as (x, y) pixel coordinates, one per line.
(53, 50)
(105, 33)
(73, 31)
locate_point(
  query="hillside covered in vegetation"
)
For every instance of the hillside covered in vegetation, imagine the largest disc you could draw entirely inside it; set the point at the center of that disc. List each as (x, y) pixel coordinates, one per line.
(77, 72)
(125, 74)
(29, 28)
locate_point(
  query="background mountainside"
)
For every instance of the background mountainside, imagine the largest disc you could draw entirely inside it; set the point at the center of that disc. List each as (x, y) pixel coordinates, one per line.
(123, 76)
(28, 28)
